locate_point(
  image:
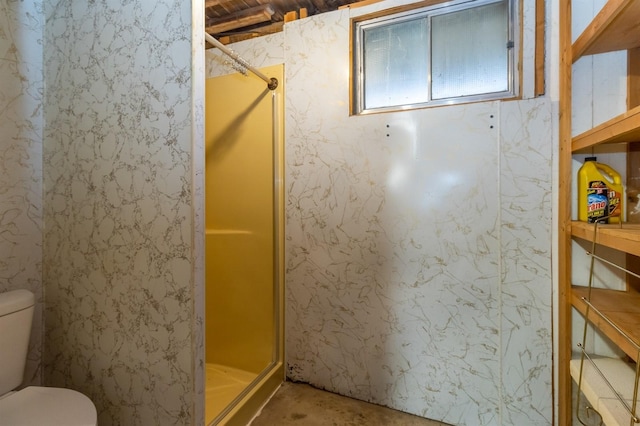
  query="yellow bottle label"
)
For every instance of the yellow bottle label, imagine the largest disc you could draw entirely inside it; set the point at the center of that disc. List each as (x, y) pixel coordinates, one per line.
(597, 201)
(615, 209)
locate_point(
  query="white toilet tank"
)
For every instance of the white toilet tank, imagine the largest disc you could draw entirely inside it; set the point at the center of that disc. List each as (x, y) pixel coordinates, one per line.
(16, 314)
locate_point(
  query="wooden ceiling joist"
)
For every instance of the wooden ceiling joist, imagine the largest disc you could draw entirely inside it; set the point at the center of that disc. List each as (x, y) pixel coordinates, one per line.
(244, 18)
(256, 32)
(320, 4)
(211, 3)
(241, 19)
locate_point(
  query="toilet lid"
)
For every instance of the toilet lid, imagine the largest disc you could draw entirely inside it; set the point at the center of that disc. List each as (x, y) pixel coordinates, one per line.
(47, 406)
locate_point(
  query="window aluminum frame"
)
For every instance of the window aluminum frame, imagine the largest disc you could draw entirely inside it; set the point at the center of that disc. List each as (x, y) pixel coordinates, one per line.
(360, 25)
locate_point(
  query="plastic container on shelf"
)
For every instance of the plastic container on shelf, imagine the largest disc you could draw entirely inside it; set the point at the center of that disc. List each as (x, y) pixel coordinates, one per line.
(600, 193)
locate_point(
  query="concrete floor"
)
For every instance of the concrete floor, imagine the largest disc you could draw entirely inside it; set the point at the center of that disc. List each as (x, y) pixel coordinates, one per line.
(297, 404)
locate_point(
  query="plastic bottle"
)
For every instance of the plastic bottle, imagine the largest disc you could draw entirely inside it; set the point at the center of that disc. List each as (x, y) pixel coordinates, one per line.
(600, 193)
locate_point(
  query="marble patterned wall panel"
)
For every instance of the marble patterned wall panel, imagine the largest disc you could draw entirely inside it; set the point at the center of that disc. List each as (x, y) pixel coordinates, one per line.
(526, 142)
(392, 242)
(118, 245)
(316, 55)
(369, 314)
(260, 52)
(21, 129)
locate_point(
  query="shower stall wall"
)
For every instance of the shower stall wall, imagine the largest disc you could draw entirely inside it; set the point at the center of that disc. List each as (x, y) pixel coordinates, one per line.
(243, 240)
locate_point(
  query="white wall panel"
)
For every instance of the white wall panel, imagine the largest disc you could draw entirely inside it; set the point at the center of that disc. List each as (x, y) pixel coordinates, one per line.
(21, 130)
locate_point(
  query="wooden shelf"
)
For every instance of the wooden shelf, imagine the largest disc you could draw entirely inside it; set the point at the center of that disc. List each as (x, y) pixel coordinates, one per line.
(624, 128)
(621, 307)
(616, 27)
(625, 238)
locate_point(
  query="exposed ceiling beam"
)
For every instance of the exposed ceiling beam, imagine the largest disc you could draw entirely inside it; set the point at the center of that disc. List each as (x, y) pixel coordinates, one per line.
(211, 3)
(244, 18)
(248, 34)
(320, 4)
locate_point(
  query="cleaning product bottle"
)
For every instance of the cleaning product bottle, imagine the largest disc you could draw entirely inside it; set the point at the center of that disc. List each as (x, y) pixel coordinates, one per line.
(600, 193)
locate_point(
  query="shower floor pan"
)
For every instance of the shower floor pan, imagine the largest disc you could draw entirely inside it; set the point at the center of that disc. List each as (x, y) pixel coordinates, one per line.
(223, 385)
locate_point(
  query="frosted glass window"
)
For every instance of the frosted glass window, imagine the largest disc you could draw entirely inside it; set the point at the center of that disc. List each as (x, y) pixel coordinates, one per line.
(454, 52)
(469, 53)
(395, 64)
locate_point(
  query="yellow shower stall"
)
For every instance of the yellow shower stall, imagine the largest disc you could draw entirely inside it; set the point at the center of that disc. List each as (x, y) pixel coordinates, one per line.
(244, 243)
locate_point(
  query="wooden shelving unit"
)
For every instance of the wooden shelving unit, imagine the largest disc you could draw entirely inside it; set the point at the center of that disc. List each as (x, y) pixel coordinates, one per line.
(624, 238)
(616, 314)
(624, 128)
(621, 307)
(614, 28)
